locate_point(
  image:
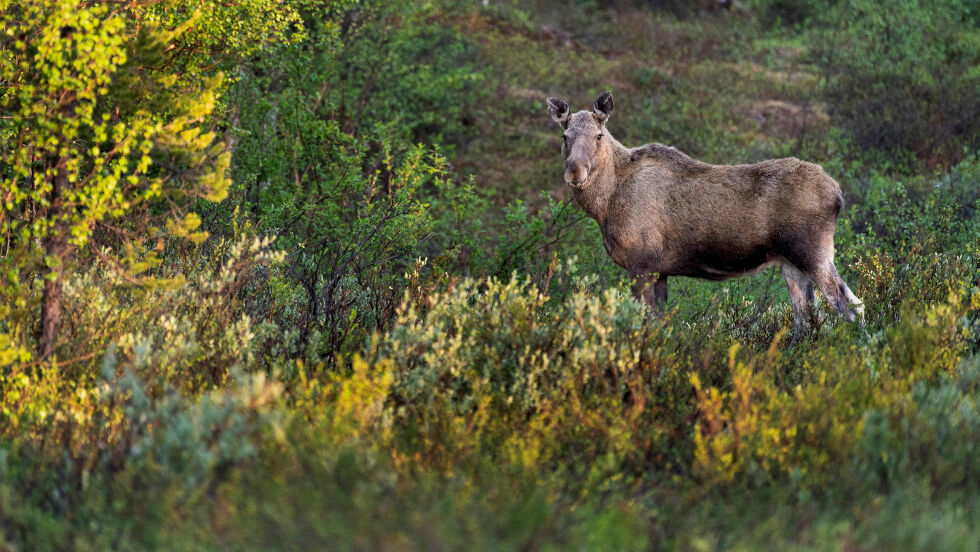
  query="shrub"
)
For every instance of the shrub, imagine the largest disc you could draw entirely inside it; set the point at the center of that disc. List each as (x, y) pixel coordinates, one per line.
(488, 358)
(326, 160)
(127, 449)
(759, 431)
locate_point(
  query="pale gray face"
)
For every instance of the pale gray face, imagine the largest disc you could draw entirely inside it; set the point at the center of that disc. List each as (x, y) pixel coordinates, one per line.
(582, 140)
(583, 136)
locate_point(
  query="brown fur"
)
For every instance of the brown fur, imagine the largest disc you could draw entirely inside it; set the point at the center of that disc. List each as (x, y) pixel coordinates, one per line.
(663, 213)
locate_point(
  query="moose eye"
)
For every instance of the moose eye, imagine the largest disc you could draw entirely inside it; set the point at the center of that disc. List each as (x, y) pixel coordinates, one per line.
(598, 137)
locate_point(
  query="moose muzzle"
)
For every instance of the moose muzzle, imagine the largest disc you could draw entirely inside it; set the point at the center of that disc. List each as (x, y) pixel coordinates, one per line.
(576, 171)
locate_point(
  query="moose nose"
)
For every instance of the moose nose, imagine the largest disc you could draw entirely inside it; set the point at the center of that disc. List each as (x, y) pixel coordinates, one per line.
(576, 170)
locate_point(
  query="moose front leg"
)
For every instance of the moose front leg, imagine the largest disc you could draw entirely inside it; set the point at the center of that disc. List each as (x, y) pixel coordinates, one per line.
(652, 290)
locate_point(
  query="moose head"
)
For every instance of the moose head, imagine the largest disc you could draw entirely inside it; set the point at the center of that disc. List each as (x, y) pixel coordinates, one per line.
(586, 142)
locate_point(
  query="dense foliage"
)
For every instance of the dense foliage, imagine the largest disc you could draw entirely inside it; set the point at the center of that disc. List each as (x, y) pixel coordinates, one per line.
(318, 282)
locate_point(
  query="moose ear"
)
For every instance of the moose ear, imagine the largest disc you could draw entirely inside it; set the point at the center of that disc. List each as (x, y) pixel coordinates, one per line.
(603, 106)
(558, 109)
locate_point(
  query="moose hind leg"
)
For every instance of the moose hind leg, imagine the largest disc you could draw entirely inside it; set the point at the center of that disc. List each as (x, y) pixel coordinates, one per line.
(800, 296)
(838, 294)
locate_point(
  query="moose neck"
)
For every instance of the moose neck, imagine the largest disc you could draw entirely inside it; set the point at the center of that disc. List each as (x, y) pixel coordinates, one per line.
(601, 183)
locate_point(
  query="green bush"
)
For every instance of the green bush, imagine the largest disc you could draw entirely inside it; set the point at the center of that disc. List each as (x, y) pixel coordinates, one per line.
(110, 468)
(493, 368)
(325, 162)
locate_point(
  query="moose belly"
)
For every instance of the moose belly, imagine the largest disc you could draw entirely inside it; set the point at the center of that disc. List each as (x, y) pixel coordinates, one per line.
(720, 262)
(639, 253)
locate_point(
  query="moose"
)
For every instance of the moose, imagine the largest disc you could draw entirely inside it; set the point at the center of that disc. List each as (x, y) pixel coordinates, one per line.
(662, 213)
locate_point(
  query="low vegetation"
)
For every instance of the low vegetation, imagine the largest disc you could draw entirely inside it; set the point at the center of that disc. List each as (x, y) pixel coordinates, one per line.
(287, 274)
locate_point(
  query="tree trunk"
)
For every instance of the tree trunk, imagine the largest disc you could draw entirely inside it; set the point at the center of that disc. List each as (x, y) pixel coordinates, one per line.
(51, 301)
(56, 252)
